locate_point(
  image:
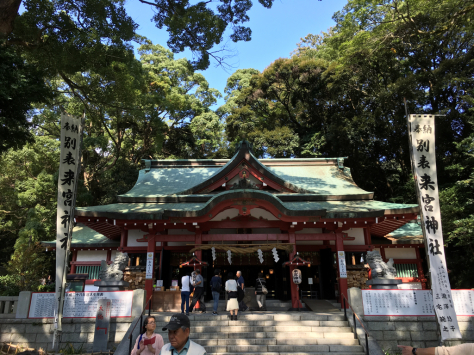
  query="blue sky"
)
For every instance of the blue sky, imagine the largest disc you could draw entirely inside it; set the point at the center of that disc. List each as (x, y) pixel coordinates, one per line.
(275, 33)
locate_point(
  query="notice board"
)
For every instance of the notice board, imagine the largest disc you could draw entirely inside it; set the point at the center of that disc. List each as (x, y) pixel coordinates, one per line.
(80, 304)
(415, 302)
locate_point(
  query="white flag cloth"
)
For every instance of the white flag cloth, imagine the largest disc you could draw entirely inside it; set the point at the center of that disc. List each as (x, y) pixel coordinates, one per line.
(71, 131)
(424, 159)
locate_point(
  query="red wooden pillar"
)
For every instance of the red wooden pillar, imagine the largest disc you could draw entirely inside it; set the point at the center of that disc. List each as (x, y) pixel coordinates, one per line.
(123, 238)
(74, 258)
(367, 237)
(198, 241)
(295, 300)
(149, 283)
(160, 277)
(421, 275)
(198, 253)
(109, 255)
(342, 281)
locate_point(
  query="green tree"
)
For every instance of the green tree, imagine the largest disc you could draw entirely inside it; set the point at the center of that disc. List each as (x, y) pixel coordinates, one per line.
(21, 85)
(28, 194)
(80, 29)
(31, 264)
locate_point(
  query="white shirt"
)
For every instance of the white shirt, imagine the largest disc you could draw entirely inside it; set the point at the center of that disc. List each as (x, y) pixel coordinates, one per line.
(185, 281)
(231, 285)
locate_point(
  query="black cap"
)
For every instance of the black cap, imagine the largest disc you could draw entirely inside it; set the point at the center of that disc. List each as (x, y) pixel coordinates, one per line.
(177, 320)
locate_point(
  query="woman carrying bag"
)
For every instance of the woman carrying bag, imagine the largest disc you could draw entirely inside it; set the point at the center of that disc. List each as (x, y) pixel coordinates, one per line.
(231, 289)
(261, 292)
(148, 342)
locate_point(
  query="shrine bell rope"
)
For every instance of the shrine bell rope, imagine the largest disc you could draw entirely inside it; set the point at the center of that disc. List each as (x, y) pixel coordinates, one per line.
(245, 248)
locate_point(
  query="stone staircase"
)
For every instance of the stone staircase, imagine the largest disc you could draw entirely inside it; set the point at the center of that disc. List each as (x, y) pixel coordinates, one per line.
(271, 333)
(271, 305)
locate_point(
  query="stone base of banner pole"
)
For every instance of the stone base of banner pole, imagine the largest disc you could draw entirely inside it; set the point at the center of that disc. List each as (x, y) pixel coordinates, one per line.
(112, 285)
(384, 284)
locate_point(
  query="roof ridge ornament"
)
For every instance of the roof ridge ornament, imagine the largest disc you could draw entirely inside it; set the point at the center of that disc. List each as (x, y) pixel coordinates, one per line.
(244, 144)
(147, 165)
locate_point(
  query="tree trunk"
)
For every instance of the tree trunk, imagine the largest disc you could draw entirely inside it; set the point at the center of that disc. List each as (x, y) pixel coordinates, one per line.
(8, 12)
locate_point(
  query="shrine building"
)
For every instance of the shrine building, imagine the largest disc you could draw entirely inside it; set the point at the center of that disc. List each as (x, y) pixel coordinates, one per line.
(307, 206)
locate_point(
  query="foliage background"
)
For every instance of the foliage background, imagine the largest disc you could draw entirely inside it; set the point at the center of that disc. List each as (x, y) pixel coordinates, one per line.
(340, 93)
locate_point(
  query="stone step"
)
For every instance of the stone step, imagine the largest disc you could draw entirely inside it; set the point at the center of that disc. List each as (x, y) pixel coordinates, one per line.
(268, 323)
(349, 340)
(257, 316)
(295, 353)
(280, 349)
(340, 332)
(279, 328)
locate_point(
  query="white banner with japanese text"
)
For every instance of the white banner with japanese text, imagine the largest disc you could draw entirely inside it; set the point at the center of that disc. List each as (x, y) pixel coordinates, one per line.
(69, 165)
(422, 132)
(149, 265)
(341, 256)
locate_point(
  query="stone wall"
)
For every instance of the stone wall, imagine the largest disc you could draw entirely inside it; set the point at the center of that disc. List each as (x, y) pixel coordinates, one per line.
(416, 331)
(419, 332)
(38, 333)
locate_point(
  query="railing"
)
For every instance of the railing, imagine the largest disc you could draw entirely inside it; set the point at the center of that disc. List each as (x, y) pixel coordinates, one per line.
(406, 270)
(354, 316)
(8, 306)
(141, 318)
(91, 270)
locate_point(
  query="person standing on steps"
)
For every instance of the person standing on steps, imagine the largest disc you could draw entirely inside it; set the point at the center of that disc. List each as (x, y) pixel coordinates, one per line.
(185, 292)
(216, 285)
(241, 283)
(198, 292)
(261, 297)
(231, 289)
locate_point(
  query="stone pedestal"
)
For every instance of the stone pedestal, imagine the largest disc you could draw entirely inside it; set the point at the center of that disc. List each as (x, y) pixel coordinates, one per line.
(384, 284)
(112, 285)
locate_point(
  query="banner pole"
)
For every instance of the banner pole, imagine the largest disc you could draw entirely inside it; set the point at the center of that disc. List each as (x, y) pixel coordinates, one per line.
(422, 131)
(418, 197)
(62, 287)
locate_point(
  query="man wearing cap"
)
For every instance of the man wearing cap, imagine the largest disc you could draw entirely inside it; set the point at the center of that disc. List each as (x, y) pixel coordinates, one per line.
(179, 328)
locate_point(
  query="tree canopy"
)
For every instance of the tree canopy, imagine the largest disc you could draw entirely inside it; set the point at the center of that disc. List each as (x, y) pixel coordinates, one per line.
(341, 94)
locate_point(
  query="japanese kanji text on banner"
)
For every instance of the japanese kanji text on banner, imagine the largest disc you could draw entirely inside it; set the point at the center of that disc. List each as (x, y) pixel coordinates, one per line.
(421, 128)
(71, 131)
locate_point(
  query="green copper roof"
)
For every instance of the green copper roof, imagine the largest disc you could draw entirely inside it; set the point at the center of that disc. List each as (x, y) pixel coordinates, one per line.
(169, 181)
(321, 180)
(408, 230)
(83, 236)
(301, 187)
(328, 209)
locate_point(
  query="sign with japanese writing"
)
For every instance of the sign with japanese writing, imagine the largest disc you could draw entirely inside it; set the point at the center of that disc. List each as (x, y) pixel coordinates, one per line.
(81, 304)
(149, 265)
(69, 167)
(422, 132)
(417, 303)
(102, 325)
(341, 256)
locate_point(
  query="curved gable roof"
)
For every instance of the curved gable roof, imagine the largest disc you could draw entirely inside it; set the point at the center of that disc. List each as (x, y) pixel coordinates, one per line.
(178, 179)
